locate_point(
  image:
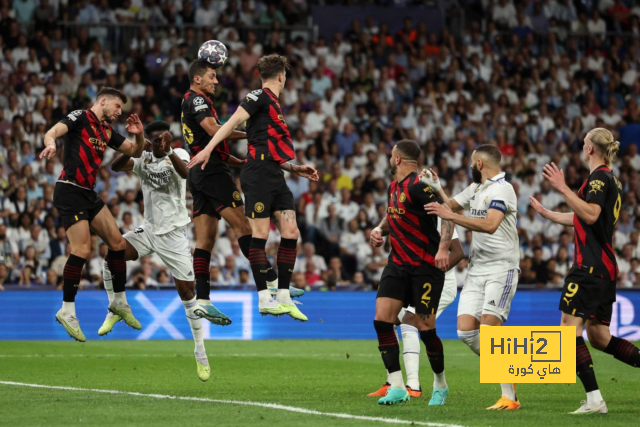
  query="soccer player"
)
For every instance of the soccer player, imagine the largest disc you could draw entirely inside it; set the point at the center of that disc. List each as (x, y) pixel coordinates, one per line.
(589, 289)
(214, 192)
(410, 333)
(163, 173)
(81, 210)
(494, 258)
(266, 192)
(414, 275)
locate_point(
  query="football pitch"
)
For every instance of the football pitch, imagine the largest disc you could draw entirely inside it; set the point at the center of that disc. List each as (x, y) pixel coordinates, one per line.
(284, 383)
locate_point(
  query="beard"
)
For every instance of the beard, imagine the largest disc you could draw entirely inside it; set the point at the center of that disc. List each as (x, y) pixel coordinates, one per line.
(108, 117)
(394, 168)
(476, 175)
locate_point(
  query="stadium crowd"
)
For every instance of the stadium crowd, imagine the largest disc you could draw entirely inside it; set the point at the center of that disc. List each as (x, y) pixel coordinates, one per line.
(531, 77)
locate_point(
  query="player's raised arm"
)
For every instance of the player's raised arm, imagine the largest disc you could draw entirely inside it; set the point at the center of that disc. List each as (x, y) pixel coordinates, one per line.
(241, 115)
(557, 217)
(122, 163)
(179, 163)
(136, 147)
(211, 127)
(430, 178)
(58, 130)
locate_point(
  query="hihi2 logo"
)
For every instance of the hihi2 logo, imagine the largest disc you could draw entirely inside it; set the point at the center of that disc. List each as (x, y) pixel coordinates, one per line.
(527, 354)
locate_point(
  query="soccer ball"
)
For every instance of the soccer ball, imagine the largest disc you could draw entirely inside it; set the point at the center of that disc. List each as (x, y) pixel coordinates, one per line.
(214, 52)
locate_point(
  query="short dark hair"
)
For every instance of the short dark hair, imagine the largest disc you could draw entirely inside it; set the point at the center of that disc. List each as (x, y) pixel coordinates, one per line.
(113, 92)
(158, 125)
(271, 65)
(199, 68)
(490, 151)
(409, 149)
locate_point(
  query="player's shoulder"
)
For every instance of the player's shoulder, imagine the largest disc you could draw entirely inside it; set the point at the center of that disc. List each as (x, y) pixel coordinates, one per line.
(196, 99)
(76, 115)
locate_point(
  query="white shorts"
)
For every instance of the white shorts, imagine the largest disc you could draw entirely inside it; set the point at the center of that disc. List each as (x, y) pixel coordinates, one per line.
(449, 293)
(489, 294)
(172, 248)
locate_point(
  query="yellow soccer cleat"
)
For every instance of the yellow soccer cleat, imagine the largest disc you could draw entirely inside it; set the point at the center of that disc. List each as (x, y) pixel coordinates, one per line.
(382, 391)
(505, 404)
(71, 325)
(109, 323)
(295, 313)
(273, 308)
(124, 311)
(204, 372)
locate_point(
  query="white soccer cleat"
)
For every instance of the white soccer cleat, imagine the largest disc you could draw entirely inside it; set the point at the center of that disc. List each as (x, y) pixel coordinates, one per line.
(586, 409)
(71, 325)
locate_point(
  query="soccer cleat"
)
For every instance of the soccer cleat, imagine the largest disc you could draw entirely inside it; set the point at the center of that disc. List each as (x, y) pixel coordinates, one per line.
(585, 409)
(439, 396)
(212, 314)
(203, 368)
(71, 325)
(414, 393)
(124, 311)
(273, 308)
(109, 323)
(295, 312)
(505, 404)
(394, 395)
(382, 391)
(294, 292)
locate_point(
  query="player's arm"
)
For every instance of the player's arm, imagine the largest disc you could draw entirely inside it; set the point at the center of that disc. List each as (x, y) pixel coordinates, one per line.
(305, 171)
(430, 178)
(377, 234)
(588, 210)
(557, 217)
(211, 127)
(179, 164)
(241, 115)
(58, 130)
(446, 234)
(235, 162)
(456, 253)
(488, 225)
(122, 163)
(136, 147)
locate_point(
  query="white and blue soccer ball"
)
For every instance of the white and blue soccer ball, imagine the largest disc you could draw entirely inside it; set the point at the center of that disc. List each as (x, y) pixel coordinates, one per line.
(214, 52)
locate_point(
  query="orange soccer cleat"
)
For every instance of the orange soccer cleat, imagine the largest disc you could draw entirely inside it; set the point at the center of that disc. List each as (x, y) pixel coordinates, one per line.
(381, 392)
(414, 393)
(505, 404)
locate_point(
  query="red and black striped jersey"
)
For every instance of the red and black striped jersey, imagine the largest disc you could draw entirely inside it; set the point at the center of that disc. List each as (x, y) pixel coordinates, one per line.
(84, 147)
(593, 243)
(195, 108)
(267, 131)
(413, 232)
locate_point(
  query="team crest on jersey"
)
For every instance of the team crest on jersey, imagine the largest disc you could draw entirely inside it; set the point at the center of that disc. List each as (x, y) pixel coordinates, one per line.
(236, 195)
(596, 186)
(147, 160)
(108, 132)
(403, 197)
(477, 189)
(259, 207)
(198, 100)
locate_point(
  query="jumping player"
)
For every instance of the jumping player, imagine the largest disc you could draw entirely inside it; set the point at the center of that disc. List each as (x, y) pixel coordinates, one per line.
(266, 191)
(414, 275)
(589, 289)
(494, 256)
(82, 211)
(163, 173)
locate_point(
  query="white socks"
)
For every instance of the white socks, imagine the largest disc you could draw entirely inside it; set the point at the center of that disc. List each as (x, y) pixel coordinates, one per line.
(395, 379)
(107, 281)
(69, 308)
(508, 391)
(284, 297)
(439, 381)
(264, 296)
(120, 298)
(195, 323)
(471, 339)
(594, 398)
(204, 301)
(411, 355)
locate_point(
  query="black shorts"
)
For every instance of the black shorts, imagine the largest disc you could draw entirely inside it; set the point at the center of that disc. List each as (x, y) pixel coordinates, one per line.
(419, 287)
(588, 296)
(265, 189)
(76, 204)
(212, 192)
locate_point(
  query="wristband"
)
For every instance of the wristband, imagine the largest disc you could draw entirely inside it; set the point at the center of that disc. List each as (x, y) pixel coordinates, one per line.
(377, 229)
(170, 152)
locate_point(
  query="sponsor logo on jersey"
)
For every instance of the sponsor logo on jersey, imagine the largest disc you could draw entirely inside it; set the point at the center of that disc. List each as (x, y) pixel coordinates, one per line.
(596, 186)
(236, 195)
(98, 144)
(259, 207)
(395, 211)
(403, 197)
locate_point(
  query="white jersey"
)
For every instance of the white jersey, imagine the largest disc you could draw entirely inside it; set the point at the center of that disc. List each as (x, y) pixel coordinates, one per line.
(498, 252)
(164, 192)
(449, 276)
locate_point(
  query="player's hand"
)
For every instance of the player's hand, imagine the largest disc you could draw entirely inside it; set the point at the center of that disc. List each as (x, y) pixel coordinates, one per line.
(442, 260)
(438, 209)
(201, 157)
(430, 178)
(48, 152)
(134, 125)
(167, 140)
(376, 238)
(555, 176)
(537, 206)
(308, 172)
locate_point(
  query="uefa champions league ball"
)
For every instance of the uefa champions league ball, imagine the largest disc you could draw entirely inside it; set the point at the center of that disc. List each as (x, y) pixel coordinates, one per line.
(214, 52)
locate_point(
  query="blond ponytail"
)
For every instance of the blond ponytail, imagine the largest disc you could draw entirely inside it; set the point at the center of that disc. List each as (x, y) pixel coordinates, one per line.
(607, 146)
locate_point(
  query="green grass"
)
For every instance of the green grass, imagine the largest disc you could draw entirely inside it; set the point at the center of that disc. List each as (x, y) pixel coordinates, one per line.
(327, 376)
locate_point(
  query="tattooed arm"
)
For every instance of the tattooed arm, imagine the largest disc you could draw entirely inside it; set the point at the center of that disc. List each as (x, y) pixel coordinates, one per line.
(446, 233)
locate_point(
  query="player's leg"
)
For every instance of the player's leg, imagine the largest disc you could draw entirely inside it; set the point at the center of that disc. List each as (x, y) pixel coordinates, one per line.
(104, 225)
(470, 311)
(411, 351)
(382, 391)
(286, 222)
(130, 254)
(79, 237)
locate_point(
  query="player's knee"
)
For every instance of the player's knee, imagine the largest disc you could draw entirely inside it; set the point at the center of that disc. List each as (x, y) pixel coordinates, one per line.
(118, 244)
(598, 339)
(82, 251)
(468, 336)
(290, 232)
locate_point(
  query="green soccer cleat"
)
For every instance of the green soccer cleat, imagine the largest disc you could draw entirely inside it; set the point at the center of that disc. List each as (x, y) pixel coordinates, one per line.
(109, 323)
(295, 312)
(202, 366)
(394, 395)
(124, 311)
(293, 291)
(212, 314)
(71, 325)
(273, 308)
(586, 409)
(439, 396)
